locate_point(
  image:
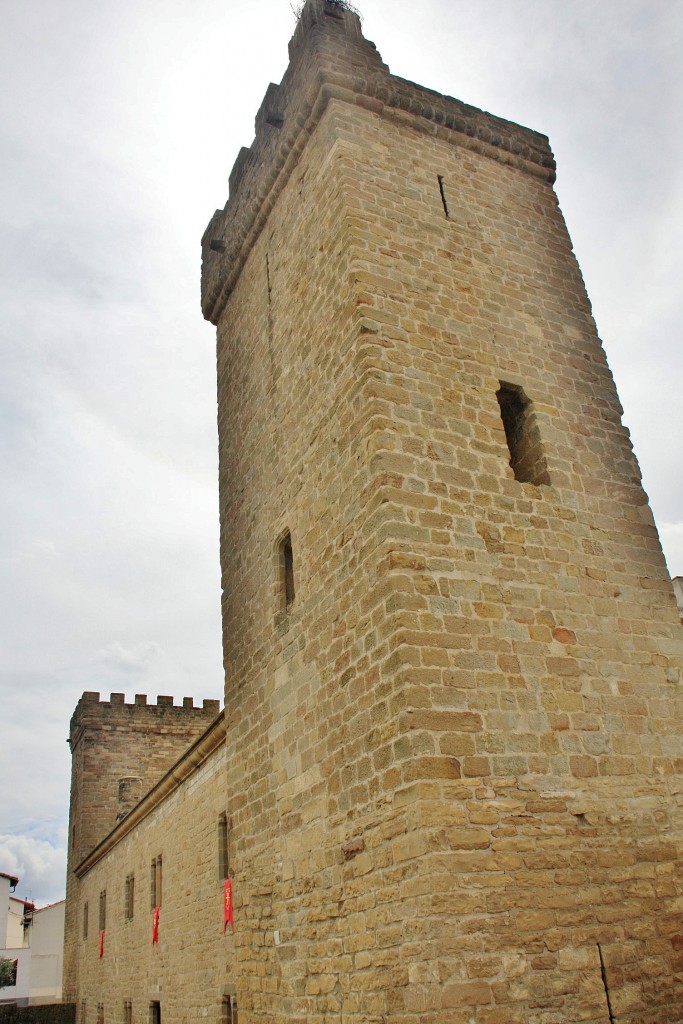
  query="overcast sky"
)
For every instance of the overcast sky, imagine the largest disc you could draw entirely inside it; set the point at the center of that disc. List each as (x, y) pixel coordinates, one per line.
(119, 123)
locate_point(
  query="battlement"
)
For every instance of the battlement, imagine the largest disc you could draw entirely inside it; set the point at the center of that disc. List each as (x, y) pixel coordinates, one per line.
(93, 713)
(141, 700)
(331, 60)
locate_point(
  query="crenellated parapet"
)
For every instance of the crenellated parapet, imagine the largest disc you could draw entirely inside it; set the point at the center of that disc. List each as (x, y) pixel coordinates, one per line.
(92, 712)
(330, 59)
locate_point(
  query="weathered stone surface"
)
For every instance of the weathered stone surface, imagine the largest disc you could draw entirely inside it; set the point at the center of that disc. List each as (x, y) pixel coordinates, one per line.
(477, 674)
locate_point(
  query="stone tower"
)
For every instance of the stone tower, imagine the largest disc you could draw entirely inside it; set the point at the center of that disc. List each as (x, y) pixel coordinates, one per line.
(452, 694)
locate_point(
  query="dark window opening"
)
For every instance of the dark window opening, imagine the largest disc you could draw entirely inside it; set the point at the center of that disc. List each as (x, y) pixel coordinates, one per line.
(127, 1012)
(527, 458)
(223, 847)
(229, 1015)
(100, 1013)
(129, 900)
(103, 910)
(155, 883)
(155, 1013)
(85, 920)
(285, 570)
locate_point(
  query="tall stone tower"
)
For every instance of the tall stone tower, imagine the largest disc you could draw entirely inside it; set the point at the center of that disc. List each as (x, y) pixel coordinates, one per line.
(452, 693)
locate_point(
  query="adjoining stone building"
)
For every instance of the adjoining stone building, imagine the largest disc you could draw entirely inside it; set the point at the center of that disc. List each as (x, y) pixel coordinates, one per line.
(450, 757)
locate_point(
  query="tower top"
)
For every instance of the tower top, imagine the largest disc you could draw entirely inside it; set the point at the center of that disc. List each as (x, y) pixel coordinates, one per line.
(331, 60)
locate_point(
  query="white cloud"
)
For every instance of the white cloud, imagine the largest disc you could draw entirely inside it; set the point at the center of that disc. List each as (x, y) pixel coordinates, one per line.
(39, 865)
(130, 661)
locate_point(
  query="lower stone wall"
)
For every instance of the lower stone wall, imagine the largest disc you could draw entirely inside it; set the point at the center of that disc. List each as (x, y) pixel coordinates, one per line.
(188, 971)
(54, 1013)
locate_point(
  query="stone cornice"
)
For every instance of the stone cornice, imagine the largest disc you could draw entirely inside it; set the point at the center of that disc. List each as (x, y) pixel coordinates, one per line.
(330, 59)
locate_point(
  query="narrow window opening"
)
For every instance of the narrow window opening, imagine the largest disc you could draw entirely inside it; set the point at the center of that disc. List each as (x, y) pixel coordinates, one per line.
(127, 1012)
(103, 910)
(223, 847)
(268, 277)
(229, 1010)
(285, 571)
(85, 920)
(129, 900)
(155, 883)
(289, 570)
(527, 458)
(155, 1013)
(442, 190)
(100, 1013)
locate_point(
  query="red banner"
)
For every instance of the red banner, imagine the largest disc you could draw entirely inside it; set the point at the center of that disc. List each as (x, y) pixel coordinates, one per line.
(155, 926)
(227, 905)
(101, 943)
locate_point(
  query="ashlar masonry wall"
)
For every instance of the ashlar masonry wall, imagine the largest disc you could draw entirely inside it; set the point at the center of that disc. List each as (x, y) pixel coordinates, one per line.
(454, 756)
(189, 970)
(119, 752)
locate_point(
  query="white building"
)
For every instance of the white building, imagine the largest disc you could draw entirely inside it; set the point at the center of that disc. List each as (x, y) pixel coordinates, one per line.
(32, 940)
(678, 591)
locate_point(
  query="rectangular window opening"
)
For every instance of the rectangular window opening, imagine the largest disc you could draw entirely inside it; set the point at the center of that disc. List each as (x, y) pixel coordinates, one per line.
(127, 1011)
(223, 847)
(285, 571)
(103, 910)
(129, 899)
(155, 882)
(527, 458)
(229, 1014)
(155, 1013)
(85, 920)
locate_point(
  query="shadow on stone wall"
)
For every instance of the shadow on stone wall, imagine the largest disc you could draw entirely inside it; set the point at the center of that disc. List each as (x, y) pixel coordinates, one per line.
(57, 1013)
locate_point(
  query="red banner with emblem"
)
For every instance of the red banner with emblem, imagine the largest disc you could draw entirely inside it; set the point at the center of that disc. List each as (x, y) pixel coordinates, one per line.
(101, 943)
(227, 905)
(155, 926)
